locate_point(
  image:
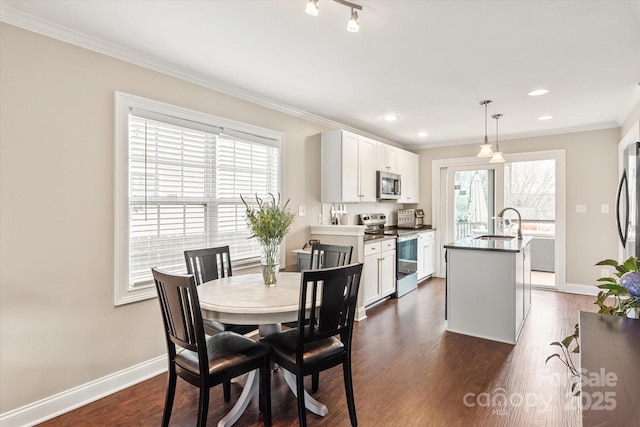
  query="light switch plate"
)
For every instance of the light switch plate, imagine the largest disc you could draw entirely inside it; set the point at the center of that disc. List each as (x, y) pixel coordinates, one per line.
(302, 211)
(581, 208)
(604, 208)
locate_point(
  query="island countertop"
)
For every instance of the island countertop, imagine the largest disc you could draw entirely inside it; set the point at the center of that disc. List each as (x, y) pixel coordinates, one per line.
(513, 245)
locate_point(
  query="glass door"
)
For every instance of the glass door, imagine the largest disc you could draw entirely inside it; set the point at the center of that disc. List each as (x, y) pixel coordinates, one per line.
(530, 187)
(473, 202)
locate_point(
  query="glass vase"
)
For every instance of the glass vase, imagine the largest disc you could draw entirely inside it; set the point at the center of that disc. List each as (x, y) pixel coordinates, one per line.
(270, 263)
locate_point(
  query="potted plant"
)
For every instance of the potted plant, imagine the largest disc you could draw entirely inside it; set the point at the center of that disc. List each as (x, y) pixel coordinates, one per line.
(619, 296)
(269, 222)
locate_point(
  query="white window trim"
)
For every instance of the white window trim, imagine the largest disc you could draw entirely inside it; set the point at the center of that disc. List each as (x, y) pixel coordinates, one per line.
(123, 293)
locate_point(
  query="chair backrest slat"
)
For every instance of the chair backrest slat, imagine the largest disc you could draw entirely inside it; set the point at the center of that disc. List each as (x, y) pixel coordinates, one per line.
(333, 293)
(208, 264)
(327, 256)
(180, 309)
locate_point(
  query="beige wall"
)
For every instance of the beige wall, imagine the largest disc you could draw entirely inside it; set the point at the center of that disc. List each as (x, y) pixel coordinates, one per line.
(591, 179)
(58, 326)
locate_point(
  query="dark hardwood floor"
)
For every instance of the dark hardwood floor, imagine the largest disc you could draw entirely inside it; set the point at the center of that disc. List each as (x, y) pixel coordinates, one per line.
(408, 371)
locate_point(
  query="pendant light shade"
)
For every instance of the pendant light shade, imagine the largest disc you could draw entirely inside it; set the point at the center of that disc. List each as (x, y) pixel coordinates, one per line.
(485, 149)
(497, 155)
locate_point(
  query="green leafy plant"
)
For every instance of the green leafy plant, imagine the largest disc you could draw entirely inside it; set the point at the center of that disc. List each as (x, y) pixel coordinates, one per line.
(619, 296)
(269, 223)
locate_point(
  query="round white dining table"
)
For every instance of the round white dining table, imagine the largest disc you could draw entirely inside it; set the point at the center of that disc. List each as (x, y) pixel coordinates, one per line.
(245, 300)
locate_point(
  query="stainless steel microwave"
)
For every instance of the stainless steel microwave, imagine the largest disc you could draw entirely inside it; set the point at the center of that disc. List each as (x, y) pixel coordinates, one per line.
(388, 185)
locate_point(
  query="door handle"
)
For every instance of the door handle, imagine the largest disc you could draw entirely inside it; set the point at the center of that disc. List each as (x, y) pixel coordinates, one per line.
(623, 184)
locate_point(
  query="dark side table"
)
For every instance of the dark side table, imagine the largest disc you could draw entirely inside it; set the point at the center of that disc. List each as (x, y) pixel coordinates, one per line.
(610, 359)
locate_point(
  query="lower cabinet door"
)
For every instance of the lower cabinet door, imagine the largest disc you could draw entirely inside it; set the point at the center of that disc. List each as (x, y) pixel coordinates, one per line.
(371, 274)
(388, 273)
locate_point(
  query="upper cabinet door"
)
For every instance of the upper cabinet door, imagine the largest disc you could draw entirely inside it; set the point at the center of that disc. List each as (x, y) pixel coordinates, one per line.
(350, 176)
(367, 170)
(408, 166)
(386, 158)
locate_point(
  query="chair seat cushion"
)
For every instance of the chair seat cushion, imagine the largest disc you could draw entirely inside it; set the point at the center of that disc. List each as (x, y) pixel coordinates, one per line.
(225, 350)
(283, 345)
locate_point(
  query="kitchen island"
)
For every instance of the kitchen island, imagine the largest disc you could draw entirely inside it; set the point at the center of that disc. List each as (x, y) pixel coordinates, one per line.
(488, 287)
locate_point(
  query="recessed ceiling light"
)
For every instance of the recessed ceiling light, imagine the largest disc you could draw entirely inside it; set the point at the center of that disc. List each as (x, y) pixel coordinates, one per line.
(390, 118)
(545, 118)
(423, 134)
(538, 92)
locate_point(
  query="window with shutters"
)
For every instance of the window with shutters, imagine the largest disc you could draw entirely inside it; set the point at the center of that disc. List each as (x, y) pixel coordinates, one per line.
(179, 177)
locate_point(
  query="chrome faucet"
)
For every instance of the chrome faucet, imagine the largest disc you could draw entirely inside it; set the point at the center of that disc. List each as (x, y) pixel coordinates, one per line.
(501, 214)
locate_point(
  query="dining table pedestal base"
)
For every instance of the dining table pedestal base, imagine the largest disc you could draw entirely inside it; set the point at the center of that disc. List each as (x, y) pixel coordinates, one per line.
(249, 390)
(310, 403)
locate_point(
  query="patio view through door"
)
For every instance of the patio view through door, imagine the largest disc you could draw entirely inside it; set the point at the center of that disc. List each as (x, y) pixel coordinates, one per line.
(530, 187)
(473, 202)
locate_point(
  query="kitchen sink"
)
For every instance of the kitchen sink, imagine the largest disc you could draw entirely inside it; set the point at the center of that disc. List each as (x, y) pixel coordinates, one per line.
(494, 237)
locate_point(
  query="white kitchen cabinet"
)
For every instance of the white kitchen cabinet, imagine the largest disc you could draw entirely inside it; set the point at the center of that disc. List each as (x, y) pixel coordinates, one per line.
(379, 271)
(386, 158)
(348, 168)
(408, 165)
(426, 253)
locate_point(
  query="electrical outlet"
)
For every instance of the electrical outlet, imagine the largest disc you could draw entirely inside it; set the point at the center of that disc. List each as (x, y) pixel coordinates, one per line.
(604, 273)
(581, 208)
(604, 209)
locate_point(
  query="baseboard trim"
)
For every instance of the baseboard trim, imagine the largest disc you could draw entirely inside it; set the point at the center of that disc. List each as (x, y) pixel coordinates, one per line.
(76, 397)
(575, 288)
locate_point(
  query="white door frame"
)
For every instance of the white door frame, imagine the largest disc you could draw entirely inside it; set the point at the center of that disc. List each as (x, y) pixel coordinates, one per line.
(440, 201)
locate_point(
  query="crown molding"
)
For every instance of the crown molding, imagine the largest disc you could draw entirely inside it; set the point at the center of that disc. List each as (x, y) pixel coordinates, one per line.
(67, 35)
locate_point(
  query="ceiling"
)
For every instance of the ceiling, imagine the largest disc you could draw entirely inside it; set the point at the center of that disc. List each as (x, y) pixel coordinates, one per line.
(429, 62)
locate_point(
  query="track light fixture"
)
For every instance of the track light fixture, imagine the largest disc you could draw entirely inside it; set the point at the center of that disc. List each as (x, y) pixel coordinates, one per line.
(485, 149)
(497, 155)
(354, 22)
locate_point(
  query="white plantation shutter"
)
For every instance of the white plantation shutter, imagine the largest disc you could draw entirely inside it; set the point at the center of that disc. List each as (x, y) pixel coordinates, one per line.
(184, 184)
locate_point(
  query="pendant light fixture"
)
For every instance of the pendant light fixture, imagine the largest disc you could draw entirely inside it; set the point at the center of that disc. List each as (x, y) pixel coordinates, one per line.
(485, 149)
(353, 25)
(497, 155)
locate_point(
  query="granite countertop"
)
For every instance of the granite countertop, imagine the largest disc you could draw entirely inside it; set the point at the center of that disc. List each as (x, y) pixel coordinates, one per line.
(513, 245)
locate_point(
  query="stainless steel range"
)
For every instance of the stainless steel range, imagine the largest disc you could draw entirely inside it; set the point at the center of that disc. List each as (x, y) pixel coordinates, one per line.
(406, 250)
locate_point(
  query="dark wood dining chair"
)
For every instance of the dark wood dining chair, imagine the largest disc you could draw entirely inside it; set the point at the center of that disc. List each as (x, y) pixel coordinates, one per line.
(327, 256)
(211, 264)
(324, 334)
(204, 361)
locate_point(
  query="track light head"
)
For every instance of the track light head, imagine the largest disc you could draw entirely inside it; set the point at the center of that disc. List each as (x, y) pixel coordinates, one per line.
(312, 8)
(354, 23)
